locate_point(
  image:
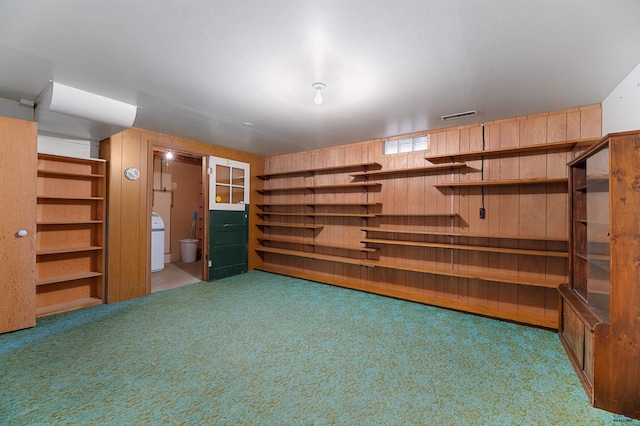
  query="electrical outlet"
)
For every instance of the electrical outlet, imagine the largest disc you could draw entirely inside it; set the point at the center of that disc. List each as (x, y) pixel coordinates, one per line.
(482, 213)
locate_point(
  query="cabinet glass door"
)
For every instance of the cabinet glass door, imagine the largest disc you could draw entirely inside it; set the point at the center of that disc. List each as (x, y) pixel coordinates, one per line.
(598, 259)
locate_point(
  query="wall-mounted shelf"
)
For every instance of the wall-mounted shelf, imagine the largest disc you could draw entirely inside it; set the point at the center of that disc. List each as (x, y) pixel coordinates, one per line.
(321, 170)
(310, 255)
(503, 182)
(409, 171)
(544, 253)
(535, 282)
(416, 215)
(288, 225)
(466, 235)
(262, 206)
(363, 215)
(317, 244)
(348, 186)
(475, 155)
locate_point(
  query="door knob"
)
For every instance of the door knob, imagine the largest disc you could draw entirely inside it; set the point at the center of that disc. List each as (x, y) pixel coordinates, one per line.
(22, 233)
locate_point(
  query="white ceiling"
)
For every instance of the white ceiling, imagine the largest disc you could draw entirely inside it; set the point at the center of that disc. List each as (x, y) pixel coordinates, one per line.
(199, 69)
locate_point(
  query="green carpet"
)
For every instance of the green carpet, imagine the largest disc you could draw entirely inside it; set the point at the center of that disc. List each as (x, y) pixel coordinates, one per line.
(264, 349)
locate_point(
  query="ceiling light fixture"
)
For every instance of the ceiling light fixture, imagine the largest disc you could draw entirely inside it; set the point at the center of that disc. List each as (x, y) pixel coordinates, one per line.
(318, 99)
(169, 155)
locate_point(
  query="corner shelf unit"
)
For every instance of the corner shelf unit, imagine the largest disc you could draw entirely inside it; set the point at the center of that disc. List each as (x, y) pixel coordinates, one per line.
(599, 322)
(70, 216)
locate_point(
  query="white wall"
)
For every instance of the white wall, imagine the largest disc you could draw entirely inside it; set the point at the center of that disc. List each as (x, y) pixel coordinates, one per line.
(13, 109)
(621, 109)
(68, 147)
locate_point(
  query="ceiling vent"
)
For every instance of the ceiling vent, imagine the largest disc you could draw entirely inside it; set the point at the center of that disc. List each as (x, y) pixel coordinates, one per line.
(68, 112)
(459, 115)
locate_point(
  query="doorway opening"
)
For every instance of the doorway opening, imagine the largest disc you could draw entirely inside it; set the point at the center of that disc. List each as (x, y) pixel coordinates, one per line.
(178, 243)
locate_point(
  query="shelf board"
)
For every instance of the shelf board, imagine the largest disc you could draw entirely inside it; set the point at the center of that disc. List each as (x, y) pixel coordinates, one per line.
(69, 222)
(319, 205)
(65, 278)
(503, 182)
(67, 250)
(67, 306)
(315, 244)
(420, 297)
(525, 149)
(364, 186)
(412, 170)
(74, 160)
(535, 282)
(44, 172)
(544, 253)
(63, 198)
(310, 255)
(316, 214)
(465, 235)
(288, 225)
(321, 170)
(416, 215)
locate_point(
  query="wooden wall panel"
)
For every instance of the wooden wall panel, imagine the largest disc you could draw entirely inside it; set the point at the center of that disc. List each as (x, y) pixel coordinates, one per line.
(514, 210)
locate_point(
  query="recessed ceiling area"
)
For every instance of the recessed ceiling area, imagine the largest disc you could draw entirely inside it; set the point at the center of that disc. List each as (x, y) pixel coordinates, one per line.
(199, 69)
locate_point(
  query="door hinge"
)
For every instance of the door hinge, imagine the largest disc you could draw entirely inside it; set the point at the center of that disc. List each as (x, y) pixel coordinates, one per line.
(209, 170)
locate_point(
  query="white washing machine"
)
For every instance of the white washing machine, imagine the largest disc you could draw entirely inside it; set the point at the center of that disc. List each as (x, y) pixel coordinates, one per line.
(157, 243)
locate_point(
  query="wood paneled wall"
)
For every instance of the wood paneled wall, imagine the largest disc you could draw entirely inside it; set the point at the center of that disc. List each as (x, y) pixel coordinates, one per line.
(536, 210)
(129, 206)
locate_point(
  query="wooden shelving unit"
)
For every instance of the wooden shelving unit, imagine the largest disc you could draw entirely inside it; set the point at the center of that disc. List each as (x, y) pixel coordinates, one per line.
(289, 225)
(362, 215)
(599, 322)
(263, 206)
(525, 149)
(70, 216)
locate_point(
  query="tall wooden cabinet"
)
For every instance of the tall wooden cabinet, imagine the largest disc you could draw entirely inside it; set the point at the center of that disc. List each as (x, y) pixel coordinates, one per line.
(600, 306)
(70, 233)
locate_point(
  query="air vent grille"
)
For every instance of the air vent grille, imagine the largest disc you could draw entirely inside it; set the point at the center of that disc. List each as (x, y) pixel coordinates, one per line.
(459, 115)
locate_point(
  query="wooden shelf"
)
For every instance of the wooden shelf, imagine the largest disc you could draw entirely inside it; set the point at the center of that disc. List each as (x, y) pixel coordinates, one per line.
(525, 149)
(535, 282)
(68, 250)
(503, 182)
(67, 306)
(544, 253)
(70, 222)
(421, 297)
(465, 235)
(318, 205)
(363, 215)
(321, 170)
(288, 225)
(310, 255)
(411, 171)
(416, 215)
(363, 186)
(65, 198)
(65, 278)
(69, 233)
(313, 243)
(42, 172)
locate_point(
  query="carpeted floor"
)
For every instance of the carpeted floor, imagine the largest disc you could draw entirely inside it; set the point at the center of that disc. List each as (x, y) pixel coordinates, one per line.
(265, 349)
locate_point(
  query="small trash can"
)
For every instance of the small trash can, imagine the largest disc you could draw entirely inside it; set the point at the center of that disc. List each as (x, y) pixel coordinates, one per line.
(188, 250)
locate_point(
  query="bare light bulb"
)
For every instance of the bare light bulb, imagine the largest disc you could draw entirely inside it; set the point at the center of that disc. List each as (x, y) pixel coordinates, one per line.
(169, 155)
(318, 99)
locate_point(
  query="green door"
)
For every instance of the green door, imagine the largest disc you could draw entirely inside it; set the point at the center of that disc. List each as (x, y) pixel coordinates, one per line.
(228, 243)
